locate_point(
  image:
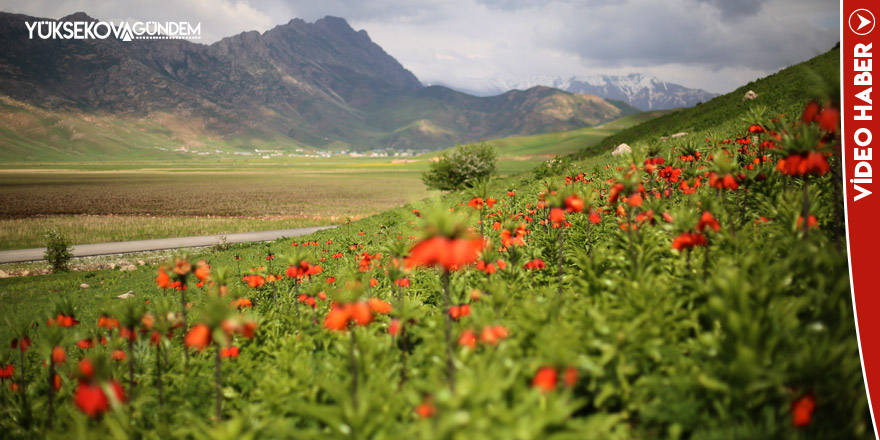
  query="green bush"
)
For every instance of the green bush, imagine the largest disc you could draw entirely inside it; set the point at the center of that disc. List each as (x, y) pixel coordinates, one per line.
(462, 167)
(58, 251)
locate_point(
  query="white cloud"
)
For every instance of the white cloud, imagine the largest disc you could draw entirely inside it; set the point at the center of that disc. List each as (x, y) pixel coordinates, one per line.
(712, 44)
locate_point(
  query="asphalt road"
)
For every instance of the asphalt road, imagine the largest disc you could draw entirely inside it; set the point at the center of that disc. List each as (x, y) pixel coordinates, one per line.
(122, 247)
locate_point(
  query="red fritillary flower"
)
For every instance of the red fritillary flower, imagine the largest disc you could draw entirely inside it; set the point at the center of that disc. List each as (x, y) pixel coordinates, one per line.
(449, 253)
(59, 355)
(199, 337)
(536, 264)
(229, 352)
(570, 377)
(337, 318)
(394, 327)
(476, 203)
(426, 409)
(379, 306)
(468, 339)
(573, 203)
(545, 379)
(708, 221)
(91, 399)
(802, 410)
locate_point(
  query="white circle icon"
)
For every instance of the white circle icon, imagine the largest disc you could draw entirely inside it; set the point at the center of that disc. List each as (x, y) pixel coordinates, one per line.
(861, 22)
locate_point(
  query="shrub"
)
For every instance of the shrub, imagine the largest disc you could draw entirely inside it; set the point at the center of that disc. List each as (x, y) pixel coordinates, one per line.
(462, 167)
(58, 251)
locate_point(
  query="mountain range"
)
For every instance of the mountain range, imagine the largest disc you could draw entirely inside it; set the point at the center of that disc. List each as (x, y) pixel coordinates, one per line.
(298, 85)
(643, 91)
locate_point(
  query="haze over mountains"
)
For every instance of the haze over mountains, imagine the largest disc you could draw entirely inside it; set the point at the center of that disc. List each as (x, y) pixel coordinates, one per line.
(298, 85)
(643, 91)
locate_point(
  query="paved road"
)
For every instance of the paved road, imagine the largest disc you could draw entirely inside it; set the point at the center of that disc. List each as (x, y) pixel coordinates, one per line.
(121, 247)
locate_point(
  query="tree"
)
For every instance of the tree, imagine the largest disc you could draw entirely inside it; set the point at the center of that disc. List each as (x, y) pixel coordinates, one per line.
(461, 167)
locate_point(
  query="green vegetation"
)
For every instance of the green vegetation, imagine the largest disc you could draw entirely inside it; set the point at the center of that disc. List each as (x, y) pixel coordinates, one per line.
(57, 250)
(461, 167)
(713, 311)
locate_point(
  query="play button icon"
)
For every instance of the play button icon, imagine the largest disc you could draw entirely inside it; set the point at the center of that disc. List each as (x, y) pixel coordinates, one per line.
(861, 22)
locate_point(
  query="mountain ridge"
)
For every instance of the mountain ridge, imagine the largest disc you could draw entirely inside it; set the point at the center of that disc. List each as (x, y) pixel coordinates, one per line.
(640, 90)
(299, 84)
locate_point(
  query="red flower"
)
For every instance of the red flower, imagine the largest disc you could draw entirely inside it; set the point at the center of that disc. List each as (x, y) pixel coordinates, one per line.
(828, 119)
(203, 270)
(374, 282)
(229, 352)
(754, 128)
(811, 112)
(491, 202)
(635, 200)
(403, 282)
(118, 355)
(199, 337)
(450, 253)
(570, 377)
(455, 312)
(7, 372)
(241, 303)
(708, 221)
(493, 334)
(802, 410)
(476, 203)
(379, 306)
(426, 408)
(394, 327)
(595, 218)
(557, 215)
(545, 379)
(22, 344)
(536, 264)
(468, 339)
(573, 203)
(688, 240)
(58, 355)
(255, 281)
(811, 221)
(361, 313)
(92, 400)
(163, 280)
(337, 318)
(804, 163)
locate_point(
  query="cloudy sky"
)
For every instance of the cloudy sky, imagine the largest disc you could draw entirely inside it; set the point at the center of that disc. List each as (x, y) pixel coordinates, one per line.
(716, 45)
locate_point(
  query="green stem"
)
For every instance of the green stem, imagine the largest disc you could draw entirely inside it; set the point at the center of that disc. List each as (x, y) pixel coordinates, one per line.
(354, 369)
(218, 383)
(159, 372)
(450, 364)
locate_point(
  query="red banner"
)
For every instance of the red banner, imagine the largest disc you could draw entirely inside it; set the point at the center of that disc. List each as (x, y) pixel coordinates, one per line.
(859, 34)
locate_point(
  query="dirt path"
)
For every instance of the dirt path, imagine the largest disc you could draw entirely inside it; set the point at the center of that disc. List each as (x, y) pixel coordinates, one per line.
(122, 247)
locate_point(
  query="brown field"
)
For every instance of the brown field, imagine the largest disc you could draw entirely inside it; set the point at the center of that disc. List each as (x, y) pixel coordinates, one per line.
(103, 203)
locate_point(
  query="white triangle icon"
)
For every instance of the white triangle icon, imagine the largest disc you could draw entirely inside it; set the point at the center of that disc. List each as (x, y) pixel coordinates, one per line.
(862, 21)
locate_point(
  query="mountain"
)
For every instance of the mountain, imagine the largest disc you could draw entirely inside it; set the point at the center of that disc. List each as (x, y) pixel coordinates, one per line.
(313, 85)
(642, 91)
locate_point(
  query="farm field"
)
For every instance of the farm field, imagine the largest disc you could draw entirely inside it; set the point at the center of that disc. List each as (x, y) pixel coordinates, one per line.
(695, 289)
(101, 202)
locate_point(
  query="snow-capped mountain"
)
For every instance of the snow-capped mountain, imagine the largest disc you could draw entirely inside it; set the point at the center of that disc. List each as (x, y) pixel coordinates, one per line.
(643, 91)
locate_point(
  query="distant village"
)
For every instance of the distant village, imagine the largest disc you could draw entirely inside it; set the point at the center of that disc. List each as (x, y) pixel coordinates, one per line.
(298, 152)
